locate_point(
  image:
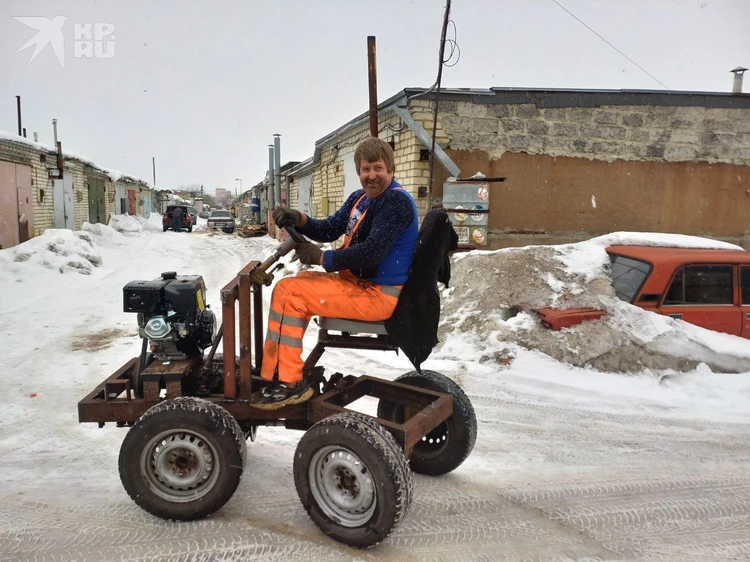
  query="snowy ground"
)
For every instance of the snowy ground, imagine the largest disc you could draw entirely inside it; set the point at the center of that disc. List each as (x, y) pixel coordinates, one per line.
(571, 463)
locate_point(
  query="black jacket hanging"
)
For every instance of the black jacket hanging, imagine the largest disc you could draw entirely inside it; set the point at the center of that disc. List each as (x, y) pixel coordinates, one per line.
(414, 324)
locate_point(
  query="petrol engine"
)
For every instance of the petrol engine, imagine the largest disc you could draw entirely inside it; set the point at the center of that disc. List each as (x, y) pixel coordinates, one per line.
(172, 314)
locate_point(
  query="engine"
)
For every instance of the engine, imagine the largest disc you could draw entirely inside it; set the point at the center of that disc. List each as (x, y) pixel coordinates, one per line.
(172, 314)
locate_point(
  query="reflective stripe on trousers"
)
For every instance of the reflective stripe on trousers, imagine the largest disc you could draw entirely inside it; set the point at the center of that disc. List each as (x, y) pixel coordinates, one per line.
(296, 299)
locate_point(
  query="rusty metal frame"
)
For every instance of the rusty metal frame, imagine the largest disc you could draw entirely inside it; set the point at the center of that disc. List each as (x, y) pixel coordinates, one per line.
(429, 409)
(114, 400)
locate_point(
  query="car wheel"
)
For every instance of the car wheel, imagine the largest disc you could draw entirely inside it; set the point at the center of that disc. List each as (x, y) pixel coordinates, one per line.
(165, 228)
(183, 459)
(352, 479)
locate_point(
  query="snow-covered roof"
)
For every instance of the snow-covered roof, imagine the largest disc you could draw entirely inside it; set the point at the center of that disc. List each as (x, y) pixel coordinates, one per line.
(114, 175)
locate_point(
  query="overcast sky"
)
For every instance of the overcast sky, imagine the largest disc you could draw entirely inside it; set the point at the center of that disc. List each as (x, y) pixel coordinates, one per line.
(203, 86)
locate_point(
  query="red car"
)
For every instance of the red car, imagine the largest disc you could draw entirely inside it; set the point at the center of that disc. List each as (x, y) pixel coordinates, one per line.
(188, 219)
(708, 288)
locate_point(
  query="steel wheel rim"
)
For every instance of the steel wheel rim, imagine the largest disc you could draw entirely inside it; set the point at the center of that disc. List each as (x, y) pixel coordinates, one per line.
(180, 465)
(435, 442)
(342, 486)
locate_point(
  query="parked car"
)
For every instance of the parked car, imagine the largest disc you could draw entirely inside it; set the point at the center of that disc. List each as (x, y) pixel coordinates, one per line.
(708, 288)
(221, 219)
(188, 219)
(193, 215)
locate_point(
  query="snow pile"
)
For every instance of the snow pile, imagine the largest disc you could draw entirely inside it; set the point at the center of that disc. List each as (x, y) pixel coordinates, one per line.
(130, 224)
(64, 251)
(494, 292)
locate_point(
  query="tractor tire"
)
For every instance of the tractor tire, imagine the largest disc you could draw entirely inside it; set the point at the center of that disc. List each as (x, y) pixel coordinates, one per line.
(448, 445)
(352, 479)
(183, 459)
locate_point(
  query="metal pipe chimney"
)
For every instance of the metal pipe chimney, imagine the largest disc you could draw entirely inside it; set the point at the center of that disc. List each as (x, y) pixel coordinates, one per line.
(18, 110)
(271, 191)
(277, 165)
(737, 84)
(54, 129)
(372, 79)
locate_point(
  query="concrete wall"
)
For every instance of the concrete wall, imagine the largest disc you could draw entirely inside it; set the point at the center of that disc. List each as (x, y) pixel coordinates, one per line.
(663, 133)
(573, 172)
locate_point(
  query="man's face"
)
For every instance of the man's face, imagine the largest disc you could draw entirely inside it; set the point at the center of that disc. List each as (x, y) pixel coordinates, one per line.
(374, 177)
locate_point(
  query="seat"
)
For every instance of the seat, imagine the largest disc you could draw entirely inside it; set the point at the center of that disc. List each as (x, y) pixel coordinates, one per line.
(352, 326)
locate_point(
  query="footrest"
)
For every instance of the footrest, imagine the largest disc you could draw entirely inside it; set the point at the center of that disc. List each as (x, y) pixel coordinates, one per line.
(352, 326)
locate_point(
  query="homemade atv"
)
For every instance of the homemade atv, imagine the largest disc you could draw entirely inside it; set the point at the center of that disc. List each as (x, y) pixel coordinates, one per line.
(190, 412)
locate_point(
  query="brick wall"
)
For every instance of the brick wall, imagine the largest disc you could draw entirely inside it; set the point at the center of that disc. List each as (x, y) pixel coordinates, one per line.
(42, 185)
(328, 178)
(41, 161)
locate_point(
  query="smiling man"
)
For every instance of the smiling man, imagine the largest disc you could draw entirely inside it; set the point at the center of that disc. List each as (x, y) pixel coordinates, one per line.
(363, 277)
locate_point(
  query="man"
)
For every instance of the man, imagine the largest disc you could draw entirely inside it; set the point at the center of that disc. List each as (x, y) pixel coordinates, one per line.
(363, 278)
(177, 218)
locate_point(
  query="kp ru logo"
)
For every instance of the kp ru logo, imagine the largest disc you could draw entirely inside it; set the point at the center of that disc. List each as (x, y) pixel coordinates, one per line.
(92, 40)
(98, 44)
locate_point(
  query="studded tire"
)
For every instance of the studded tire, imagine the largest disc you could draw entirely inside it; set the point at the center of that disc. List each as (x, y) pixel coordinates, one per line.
(447, 446)
(352, 479)
(183, 459)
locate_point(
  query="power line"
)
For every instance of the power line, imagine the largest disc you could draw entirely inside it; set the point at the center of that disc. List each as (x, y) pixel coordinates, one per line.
(610, 44)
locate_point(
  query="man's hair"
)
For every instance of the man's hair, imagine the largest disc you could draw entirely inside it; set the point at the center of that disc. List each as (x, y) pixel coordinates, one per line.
(372, 150)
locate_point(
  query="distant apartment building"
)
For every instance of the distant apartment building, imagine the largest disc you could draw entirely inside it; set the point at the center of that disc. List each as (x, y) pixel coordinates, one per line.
(223, 196)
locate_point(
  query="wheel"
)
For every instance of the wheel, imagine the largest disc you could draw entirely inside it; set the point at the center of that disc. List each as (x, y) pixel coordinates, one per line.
(165, 228)
(190, 228)
(183, 459)
(352, 479)
(448, 445)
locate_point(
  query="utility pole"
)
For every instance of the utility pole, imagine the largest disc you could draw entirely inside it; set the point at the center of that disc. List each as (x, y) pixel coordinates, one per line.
(277, 166)
(153, 164)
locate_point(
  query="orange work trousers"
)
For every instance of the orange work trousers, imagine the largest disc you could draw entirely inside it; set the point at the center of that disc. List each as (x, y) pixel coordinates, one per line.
(296, 299)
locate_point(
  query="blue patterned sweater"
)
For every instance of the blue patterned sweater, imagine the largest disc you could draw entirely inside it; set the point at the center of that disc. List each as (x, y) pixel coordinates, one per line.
(382, 248)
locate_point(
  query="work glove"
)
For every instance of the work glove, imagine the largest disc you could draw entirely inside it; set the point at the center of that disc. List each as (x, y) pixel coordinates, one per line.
(308, 253)
(286, 217)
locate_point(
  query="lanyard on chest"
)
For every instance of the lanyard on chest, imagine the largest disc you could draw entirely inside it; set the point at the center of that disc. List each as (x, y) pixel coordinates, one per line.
(354, 222)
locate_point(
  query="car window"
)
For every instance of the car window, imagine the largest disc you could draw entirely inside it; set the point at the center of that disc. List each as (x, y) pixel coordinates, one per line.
(745, 284)
(701, 284)
(191, 210)
(221, 214)
(628, 275)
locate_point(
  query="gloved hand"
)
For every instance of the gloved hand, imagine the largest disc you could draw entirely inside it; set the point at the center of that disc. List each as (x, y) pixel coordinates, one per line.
(308, 253)
(286, 217)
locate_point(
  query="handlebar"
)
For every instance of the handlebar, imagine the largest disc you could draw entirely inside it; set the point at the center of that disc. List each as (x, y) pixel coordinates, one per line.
(284, 248)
